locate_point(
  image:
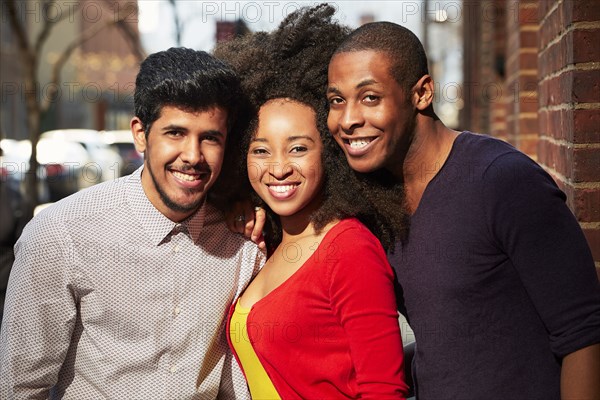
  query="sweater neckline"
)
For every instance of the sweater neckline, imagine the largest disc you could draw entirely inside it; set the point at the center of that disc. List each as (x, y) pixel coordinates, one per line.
(441, 172)
(326, 239)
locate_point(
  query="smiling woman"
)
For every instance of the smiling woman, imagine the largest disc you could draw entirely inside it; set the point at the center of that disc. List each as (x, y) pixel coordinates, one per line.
(286, 154)
(327, 283)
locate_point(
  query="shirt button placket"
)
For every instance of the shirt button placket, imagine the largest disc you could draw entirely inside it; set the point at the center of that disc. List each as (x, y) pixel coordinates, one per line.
(178, 243)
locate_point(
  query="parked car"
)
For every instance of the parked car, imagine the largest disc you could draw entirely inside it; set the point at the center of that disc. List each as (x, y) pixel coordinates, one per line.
(10, 163)
(122, 142)
(104, 163)
(60, 166)
(64, 164)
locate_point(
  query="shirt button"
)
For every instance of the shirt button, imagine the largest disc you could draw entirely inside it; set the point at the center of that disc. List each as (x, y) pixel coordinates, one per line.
(173, 369)
(176, 249)
(177, 310)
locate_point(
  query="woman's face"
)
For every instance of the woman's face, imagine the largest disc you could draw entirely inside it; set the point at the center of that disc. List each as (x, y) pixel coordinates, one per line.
(284, 158)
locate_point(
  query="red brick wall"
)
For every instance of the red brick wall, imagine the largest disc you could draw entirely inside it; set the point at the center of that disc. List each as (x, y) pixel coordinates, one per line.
(499, 108)
(569, 106)
(548, 68)
(470, 116)
(521, 75)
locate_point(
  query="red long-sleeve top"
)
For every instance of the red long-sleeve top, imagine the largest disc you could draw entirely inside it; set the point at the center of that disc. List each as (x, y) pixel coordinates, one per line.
(331, 330)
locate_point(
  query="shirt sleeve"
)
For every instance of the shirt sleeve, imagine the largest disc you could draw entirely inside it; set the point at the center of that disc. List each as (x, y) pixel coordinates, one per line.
(530, 222)
(233, 382)
(362, 295)
(40, 313)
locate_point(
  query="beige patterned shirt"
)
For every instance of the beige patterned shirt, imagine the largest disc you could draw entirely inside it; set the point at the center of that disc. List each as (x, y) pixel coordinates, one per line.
(109, 299)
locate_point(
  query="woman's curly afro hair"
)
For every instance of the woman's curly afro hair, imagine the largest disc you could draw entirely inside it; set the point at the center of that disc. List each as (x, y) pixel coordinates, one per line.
(291, 63)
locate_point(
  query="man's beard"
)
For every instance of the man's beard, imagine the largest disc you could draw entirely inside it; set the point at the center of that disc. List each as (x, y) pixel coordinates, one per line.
(170, 203)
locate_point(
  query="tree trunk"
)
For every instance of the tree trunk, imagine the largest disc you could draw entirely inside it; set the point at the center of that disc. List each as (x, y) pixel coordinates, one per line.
(34, 114)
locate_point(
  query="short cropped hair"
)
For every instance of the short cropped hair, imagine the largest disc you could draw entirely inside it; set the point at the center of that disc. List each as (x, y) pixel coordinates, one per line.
(406, 53)
(185, 78)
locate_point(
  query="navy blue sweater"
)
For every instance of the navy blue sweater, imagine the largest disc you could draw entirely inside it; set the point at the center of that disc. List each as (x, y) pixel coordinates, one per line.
(499, 283)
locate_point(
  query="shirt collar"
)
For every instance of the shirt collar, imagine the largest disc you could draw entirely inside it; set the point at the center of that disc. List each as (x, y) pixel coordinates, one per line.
(156, 225)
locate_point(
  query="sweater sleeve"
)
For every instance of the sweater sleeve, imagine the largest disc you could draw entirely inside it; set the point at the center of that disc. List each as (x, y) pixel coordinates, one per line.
(529, 221)
(39, 315)
(362, 297)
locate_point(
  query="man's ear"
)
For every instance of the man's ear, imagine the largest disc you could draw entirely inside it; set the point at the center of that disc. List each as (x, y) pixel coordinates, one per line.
(139, 134)
(423, 92)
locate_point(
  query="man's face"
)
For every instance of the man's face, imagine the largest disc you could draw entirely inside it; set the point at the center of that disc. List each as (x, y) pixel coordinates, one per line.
(183, 155)
(370, 116)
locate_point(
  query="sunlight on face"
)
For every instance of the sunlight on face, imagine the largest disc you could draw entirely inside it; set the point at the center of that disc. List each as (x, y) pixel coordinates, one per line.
(284, 158)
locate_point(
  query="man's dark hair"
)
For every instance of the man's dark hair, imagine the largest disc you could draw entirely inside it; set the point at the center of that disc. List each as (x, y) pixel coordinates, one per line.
(405, 51)
(291, 63)
(185, 78)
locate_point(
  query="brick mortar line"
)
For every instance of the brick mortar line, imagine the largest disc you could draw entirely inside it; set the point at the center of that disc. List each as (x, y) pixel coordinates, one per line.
(528, 115)
(584, 25)
(527, 5)
(522, 50)
(529, 94)
(510, 58)
(527, 136)
(557, 39)
(529, 28)
(588, 66)
(571, 106)
(564, 143)
(556, 174)
(568, 182)
(521, 73)
(591, 146)
(590, 225)
(587, 106)
(549, 13)
(586, 185)
(557, 107)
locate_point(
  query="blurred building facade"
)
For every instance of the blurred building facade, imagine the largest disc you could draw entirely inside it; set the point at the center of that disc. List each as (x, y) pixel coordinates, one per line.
(97, 81)
(12, 105)
(532, 78)
(442, 38)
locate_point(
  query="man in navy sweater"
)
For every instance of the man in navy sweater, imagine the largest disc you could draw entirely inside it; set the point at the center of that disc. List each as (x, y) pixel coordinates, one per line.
(498, 282)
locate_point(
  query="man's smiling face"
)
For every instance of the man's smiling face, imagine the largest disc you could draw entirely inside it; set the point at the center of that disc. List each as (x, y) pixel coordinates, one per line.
(370, 115)
(183, 155)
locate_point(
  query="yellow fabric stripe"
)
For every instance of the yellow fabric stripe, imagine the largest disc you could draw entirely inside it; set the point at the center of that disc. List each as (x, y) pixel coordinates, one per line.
(261, 387)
